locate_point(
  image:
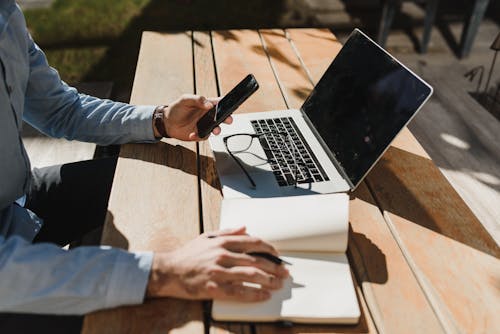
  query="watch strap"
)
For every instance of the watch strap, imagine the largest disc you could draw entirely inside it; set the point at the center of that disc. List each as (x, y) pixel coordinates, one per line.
(158, 121)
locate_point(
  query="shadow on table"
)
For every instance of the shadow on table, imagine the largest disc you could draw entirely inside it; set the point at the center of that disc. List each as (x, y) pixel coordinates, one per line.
(175, 156)
(111, 235)
(363, 249)
(413, 188)
(403, 183)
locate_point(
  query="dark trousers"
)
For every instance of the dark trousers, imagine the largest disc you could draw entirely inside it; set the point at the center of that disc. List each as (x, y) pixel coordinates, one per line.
(72, 200)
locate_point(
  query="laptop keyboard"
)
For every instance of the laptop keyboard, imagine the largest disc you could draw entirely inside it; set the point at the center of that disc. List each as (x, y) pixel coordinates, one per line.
(279, 152)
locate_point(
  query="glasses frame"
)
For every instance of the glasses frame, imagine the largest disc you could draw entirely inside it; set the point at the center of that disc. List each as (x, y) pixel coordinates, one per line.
(257, 135)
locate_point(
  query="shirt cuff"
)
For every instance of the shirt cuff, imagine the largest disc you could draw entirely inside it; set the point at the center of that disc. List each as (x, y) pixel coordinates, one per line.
(129, 279)
(143, 128)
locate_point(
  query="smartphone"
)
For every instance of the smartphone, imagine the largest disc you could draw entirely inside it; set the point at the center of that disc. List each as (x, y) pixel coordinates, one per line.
(227, 105)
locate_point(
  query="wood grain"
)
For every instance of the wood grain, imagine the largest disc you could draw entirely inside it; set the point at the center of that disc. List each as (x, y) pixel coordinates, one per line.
(154, 199)
(206, 84)
(441, 238)
(393, 295)
(414, 194)
(238, 53)
(270, 97)
(424, 265)
(210, 194)
(316, 47)
(291, 75)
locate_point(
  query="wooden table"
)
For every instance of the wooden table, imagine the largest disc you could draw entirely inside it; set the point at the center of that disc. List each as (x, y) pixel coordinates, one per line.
(421, 260)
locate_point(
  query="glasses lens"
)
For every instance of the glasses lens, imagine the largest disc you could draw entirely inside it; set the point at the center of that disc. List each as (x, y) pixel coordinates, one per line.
(239, 143)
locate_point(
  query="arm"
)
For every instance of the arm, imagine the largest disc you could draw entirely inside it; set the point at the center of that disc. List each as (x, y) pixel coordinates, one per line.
(59, 111)
(43, 278)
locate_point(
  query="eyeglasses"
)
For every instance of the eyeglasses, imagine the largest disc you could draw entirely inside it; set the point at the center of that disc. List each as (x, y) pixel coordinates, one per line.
(241, 142)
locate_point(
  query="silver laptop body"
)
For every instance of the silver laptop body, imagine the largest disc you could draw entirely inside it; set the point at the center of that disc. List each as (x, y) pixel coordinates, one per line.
(364, 99)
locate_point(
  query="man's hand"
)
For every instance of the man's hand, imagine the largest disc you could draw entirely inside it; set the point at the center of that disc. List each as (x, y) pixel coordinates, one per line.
(215, 268)
(181, 116)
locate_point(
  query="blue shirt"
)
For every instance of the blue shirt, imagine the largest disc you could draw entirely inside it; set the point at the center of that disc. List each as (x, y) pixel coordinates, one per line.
(43, 278)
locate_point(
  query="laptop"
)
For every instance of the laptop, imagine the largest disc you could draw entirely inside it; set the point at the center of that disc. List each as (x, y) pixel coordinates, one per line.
(364, 99)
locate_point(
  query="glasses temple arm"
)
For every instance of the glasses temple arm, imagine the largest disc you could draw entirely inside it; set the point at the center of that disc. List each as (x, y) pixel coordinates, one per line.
(242, 168)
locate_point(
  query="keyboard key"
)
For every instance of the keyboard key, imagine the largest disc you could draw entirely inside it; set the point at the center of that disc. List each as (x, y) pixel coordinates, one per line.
(287, 154)
(289, 179)
(318, 178)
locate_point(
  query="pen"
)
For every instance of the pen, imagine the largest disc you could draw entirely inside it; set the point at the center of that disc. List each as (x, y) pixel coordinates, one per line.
(270, 257)
(267, 256)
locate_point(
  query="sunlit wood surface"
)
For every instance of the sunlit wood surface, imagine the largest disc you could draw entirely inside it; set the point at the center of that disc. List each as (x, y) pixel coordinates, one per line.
(422, 262)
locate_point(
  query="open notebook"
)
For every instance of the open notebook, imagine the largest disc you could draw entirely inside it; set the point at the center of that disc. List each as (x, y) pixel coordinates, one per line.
(311, 233)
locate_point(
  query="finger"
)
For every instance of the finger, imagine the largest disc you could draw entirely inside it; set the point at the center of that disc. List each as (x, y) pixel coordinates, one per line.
(246, 244)
(232, 231)
(216, 131)
(238, 292)
(231, 259)
(203, 104)
(250, 275)
(194, 137)
(196, 101)
(228, 120)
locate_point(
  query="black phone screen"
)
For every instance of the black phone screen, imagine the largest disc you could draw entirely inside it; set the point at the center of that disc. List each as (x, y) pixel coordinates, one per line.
(229, 103)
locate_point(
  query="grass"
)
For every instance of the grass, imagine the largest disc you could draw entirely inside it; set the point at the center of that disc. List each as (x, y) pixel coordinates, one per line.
(77, 34)
(67, 21)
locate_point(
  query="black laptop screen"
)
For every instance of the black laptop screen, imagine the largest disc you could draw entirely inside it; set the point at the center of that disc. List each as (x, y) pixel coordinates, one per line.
(361, 103)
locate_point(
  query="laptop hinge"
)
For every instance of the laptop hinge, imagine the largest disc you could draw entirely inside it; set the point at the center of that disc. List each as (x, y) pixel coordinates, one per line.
(329, 153)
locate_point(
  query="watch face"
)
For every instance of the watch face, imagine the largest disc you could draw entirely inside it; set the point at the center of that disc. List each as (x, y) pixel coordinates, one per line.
(158, 121)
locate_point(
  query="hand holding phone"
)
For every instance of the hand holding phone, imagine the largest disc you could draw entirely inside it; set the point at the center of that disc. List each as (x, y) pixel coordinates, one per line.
(227, 105)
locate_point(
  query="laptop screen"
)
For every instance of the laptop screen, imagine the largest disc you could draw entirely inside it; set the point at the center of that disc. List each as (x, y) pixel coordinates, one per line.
(362, 102)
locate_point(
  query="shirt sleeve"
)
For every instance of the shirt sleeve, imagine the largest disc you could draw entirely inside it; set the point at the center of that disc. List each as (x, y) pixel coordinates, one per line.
(58, 110)
(43, 278)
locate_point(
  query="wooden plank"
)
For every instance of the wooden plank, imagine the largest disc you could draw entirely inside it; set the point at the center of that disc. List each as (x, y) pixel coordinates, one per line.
(238, 53)
(422, 208)
(210, 191)
(292, 77)
(206, 84)
(295, 86)
(393, 295)
(316, 47)
(154, 199)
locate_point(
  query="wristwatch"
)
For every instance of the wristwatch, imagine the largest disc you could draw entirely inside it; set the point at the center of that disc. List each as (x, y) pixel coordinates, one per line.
(158, 121)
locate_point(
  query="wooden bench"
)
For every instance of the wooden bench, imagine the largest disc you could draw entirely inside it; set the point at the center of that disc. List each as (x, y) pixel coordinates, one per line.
(422, 262)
